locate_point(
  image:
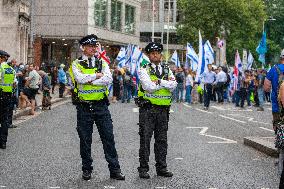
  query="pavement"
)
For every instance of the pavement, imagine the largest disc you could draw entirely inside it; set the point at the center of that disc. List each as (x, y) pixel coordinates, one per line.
(205, 150)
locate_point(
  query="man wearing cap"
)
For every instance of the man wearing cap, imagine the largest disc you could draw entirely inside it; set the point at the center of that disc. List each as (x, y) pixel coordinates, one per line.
(208, 78)
(271, 83)
(154, 100)
(91, 77)
(7, 83)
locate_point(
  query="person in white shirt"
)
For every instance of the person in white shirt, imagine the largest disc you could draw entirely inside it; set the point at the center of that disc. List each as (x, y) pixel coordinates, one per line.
(221, 79)
(188, 86)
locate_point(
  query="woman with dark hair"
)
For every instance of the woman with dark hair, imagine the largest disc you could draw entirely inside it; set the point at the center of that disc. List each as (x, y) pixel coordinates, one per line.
(116, 85)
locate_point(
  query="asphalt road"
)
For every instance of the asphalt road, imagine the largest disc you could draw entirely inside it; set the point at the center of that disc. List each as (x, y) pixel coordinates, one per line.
(206, 150)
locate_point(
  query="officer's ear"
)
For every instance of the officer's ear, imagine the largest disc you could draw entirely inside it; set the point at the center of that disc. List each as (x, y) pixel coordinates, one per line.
(82, 48)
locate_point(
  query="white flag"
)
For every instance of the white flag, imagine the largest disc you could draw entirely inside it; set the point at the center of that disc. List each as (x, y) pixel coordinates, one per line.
(175, 59)
(121, 57)
(209, 53)
(191, 55)
(136, 57)
(250, 61)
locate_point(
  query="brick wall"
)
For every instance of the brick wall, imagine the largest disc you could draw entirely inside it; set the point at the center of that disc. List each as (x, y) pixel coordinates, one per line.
(37, 51)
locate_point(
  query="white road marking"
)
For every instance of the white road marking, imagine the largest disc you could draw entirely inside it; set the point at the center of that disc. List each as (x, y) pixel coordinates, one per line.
(135, 110)
(54, 187)
(218, 107)
(266, 129)
(171, 111)
(109, 187)
(3, 186)
(250, 119)
(203, 111)
(161, 187)
(186, 105)
(232, 119)
(204, 130)
(178, 158)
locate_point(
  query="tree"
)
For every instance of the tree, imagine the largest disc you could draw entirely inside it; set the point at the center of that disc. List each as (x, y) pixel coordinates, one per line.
(240, 21)
(275, 29)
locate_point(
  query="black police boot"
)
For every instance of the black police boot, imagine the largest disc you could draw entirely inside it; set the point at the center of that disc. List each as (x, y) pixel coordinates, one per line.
(144, 175)
(86, 175)
(165, 173)
(117, 176)
(3, 145)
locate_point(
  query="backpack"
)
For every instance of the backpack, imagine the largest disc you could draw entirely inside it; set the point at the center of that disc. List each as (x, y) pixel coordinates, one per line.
(179, 77)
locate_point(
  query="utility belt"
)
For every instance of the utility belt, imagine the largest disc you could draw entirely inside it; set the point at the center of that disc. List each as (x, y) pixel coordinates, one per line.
(146, 104)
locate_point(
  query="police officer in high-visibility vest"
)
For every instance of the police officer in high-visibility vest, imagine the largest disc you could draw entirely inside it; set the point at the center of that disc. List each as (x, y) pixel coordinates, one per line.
(91, 77)
(7, 82)
(154, 100)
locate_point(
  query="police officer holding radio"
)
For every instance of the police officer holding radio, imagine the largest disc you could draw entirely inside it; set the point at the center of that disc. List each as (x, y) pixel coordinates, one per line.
(91, 77)
(7, 82)
(154, 100)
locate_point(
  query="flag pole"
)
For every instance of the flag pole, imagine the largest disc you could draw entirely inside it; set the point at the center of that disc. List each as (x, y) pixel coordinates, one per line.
(153, 20)
(168, 28)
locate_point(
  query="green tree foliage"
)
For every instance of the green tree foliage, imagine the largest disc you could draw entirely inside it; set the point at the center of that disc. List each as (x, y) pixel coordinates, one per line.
(275, 29)
(240, 21)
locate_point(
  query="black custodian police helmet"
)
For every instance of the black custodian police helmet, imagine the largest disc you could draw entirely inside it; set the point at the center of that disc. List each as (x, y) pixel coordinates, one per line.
(153, 46)
(4, 54)
(89, 40)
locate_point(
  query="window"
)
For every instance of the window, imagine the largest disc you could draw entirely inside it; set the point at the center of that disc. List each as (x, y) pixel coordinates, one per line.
(129, 19)
(100, 13)
(115, 23)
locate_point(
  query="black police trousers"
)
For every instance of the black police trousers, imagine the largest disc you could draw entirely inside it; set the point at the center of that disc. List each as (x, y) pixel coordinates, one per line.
(5, 115)
(86, 116)
(207, 94)
(153, 120)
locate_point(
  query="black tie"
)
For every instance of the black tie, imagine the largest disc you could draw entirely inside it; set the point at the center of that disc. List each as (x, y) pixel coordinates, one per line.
(90, 62)
(157, 71)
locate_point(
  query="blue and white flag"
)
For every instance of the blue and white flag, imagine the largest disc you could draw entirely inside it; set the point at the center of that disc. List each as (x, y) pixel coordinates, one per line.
(192, 56)
(250, 61)
(175, 59)
(209, 53)
(128, 53)
(262, 49)
(201, 60)
(121, 57)
(136, 58)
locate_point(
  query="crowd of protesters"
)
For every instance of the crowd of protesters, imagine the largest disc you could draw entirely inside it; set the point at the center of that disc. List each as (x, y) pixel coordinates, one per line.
(248, 87)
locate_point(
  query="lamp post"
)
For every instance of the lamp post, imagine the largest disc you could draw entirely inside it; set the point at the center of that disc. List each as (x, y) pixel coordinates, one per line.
(269, 19)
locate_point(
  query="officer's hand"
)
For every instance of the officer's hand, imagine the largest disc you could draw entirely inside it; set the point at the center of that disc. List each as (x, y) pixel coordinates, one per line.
(99, 75)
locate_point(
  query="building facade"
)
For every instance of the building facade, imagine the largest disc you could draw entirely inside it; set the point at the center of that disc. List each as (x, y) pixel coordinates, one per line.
(14, 28)
(59, 24)
(161, 15)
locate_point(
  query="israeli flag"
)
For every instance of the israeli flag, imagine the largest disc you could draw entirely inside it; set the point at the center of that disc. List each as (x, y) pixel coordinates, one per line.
(209, 53)
(136, 58)
(201, 60)
(192, 56)
(175, 59)
(121, 57)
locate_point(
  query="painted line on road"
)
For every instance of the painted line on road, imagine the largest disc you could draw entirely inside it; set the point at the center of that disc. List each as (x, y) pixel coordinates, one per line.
(203, 111)
(109, 187)
(161, 187)
(266, 129)
(232, 119)
(171, 111)
(204, 130)
(250, 119)
(54, 187)
(135, 110)
(218, 108)
(3, 186)
(187, 105)
(178, 158)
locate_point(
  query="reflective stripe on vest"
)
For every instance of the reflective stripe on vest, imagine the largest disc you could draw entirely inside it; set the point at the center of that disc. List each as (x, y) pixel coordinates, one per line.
(88, 92)
(7, 78)
(162, 97)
